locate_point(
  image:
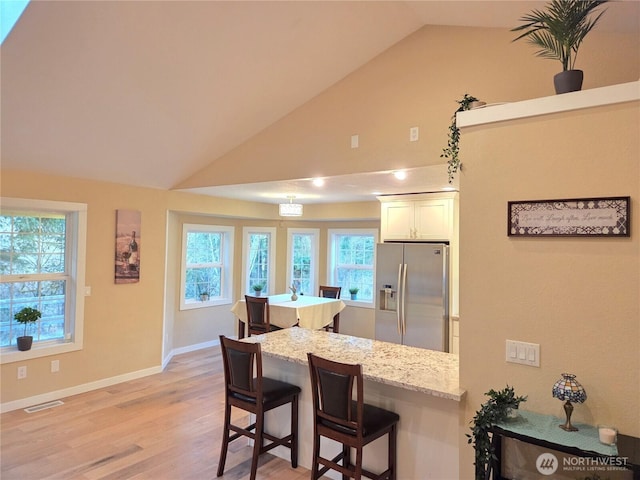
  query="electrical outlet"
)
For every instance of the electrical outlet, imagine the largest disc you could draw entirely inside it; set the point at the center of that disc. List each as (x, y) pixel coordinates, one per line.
(414, 134)
(22, 372)
(55, 366)
(523, 353)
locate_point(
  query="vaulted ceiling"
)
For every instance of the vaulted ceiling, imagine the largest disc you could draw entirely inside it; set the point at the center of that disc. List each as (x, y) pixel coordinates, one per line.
(148, 93)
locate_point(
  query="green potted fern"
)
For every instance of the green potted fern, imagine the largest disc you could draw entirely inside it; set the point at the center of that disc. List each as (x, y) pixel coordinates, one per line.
(354, 293)
(257, 288)
(558, 32)
(26, 316)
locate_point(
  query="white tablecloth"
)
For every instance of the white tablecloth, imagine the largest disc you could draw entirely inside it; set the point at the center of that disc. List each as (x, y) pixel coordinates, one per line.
(311, 312)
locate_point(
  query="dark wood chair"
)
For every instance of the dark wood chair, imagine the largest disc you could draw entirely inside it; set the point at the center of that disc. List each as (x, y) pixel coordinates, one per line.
(351, 422)
(331, 292)
(255, 394)
(258, 321)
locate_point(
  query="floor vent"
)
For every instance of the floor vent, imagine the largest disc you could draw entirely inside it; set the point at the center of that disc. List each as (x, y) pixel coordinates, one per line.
(44, 406)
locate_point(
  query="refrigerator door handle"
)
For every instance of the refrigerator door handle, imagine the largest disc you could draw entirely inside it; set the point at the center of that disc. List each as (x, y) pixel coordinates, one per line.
(399, 300)
(404, 299)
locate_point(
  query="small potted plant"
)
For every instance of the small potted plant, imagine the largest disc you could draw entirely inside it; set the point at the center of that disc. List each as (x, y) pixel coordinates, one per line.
(558, 32)
(257, 288)
(26, 316)
(354, 292)
(204, 295)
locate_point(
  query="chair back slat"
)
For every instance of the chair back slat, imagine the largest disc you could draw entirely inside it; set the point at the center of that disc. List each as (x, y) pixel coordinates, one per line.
(329, 292)
(332, 385)
(242, 367)
(257, 314)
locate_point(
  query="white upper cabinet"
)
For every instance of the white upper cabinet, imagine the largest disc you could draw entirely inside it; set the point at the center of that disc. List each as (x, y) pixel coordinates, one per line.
(417, 217)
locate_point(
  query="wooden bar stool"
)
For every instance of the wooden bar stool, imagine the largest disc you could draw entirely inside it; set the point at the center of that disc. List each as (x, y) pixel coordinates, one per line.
(350, 422)
(331, 292)
(256, 395)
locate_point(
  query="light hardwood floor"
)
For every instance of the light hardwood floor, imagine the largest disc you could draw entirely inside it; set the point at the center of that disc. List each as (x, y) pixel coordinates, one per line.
(162, 427)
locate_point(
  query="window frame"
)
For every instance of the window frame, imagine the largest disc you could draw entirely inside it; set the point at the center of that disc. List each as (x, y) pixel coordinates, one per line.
(332, 234)
(75, 263)
(246, 232)
(226, 283)
(315, 256)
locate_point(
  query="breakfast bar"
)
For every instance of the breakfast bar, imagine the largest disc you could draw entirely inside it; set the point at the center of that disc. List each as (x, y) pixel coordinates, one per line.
(420, 385)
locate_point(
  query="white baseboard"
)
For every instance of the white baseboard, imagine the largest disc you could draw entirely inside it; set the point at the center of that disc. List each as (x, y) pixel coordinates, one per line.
(86, 387)
(187, 349)
(106, 382)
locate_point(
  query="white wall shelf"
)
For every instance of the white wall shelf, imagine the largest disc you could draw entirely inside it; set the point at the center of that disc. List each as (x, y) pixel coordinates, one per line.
(625, 92)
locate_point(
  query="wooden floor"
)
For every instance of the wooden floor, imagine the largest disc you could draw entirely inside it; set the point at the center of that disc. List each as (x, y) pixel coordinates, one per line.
(162, 427)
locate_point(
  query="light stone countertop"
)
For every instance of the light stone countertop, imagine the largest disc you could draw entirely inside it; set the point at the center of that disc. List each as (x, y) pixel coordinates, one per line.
(426, 371)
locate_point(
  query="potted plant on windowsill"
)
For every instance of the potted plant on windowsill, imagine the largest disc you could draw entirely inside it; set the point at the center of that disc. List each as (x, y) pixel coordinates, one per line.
(204, 295)
(257, 288)
(354, 293)
(559, 31)
(26, 316)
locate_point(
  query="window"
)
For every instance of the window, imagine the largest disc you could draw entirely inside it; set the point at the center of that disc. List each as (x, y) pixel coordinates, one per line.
(259, 259)
(207, 265)
(42, 265)
(352, 262)
(302, 259)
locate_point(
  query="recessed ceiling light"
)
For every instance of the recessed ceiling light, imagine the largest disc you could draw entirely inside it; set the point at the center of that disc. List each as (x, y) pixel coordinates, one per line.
(400, 174)
(318, 182)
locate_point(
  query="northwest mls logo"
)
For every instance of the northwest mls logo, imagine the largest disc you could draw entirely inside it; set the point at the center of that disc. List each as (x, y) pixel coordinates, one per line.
(547, 464)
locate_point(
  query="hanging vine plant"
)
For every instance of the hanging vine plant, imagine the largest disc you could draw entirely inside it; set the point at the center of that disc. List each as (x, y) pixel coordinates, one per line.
(452, 149)
(495, 410)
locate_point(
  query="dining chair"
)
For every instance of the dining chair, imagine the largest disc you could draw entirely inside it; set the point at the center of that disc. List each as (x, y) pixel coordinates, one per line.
(246, 388)
(351, 422)
(331, 292)
(258, 321)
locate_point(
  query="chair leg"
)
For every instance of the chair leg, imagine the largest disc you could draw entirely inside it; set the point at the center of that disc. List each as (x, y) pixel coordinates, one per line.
(358, 466)
(346, 460)
(392, 452)
(336, 324)
(257, 445)
(225, 439)
(294, 432)
(315, 465)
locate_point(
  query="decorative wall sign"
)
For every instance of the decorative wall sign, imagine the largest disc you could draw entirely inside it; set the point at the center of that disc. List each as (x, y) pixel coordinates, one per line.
(128, 237)
(580, 217)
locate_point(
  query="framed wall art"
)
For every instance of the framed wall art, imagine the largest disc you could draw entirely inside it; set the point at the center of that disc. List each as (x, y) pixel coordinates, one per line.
(128, 239)
(579, 217)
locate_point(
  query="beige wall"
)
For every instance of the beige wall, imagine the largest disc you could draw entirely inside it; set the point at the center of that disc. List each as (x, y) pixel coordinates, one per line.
(579, 298)
(123, 323)
(414, 83)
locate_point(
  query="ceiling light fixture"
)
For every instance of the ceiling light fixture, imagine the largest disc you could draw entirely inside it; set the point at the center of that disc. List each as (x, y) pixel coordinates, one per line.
(318, 182)
(290, 209)
(400, 174)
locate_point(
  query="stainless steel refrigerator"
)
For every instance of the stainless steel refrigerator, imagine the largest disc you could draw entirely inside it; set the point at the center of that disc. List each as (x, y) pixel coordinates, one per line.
(412, 294)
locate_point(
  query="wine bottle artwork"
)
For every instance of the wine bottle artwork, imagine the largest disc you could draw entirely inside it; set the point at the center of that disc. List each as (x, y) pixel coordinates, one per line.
(127, 248)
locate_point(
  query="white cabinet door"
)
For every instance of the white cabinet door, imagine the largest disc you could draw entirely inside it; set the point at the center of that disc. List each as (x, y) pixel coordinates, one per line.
(396, 220)
(433, 219)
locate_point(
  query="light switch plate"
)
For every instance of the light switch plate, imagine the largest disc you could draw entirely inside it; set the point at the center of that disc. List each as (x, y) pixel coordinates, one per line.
(523, 353)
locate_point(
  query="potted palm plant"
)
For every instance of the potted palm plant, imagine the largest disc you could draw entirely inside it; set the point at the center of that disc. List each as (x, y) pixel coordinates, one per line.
(354, 292)
(559, 31)
(26, 316)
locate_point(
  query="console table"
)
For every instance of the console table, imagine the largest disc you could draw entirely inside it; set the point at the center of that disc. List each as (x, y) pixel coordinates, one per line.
(521, 445)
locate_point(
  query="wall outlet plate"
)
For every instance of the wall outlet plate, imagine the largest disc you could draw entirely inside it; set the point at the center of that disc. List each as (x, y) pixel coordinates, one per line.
(523, 353)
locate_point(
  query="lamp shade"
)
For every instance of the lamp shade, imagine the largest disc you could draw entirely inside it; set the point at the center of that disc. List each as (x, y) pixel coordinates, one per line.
(568, 388)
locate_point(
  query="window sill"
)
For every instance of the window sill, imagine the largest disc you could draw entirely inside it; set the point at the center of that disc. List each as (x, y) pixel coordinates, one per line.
(12, 354)
(358, 303)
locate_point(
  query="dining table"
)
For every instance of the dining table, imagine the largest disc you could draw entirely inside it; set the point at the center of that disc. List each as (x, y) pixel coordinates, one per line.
(306, 311)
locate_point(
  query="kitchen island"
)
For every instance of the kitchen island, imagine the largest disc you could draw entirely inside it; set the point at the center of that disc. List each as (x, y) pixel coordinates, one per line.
(420, 385)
